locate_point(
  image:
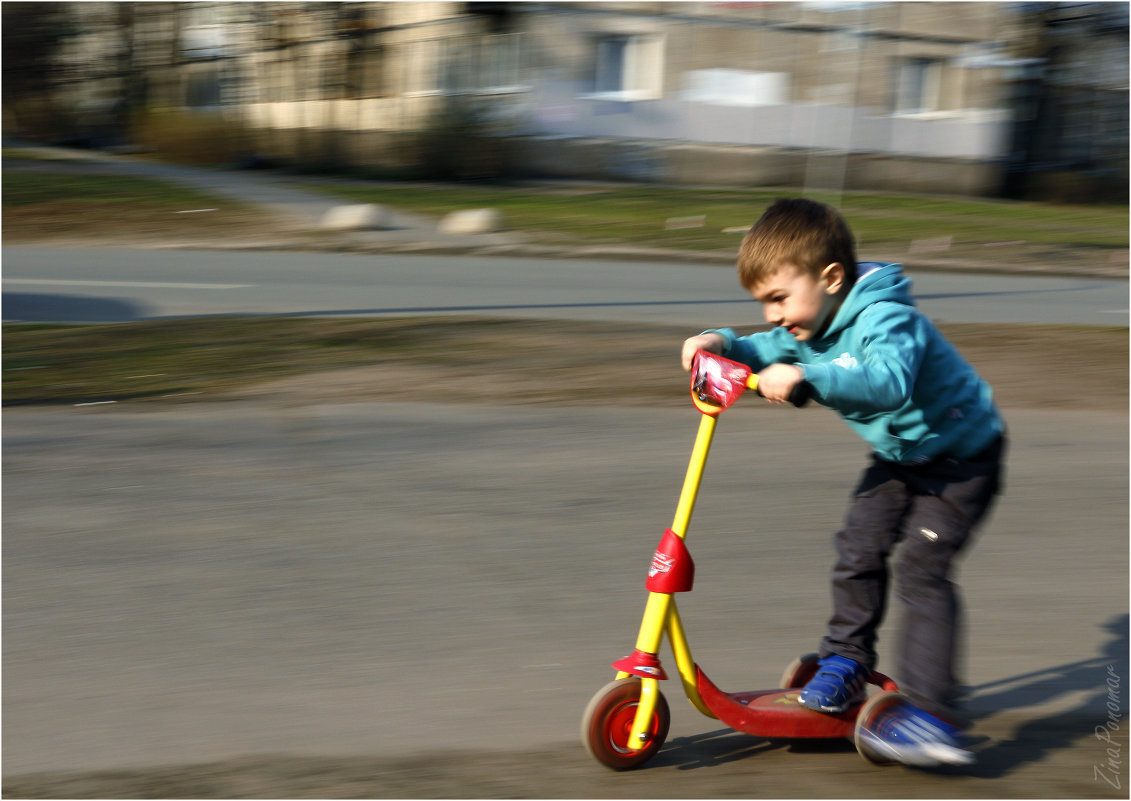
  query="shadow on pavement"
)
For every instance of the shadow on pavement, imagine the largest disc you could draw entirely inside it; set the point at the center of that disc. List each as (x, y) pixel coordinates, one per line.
(1102, 678)
(22, 307)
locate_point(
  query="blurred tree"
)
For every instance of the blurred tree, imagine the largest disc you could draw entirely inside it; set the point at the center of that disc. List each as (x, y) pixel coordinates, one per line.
(30, 34)
(1069, 104)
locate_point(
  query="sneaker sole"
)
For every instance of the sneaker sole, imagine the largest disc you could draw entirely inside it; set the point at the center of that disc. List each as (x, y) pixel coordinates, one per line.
(949, 754)
(929, 755)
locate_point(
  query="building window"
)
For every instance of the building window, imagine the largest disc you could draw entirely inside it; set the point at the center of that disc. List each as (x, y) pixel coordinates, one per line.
(457, 65)
(427, 67)
(499, 63)
(918, 84)
(628, 67)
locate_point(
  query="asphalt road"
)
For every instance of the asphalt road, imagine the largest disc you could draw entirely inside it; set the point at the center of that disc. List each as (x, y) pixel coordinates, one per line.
(91, 285)
(201, 582)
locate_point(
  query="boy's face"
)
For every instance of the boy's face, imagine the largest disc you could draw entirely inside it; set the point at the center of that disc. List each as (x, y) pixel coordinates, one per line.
(793, 299)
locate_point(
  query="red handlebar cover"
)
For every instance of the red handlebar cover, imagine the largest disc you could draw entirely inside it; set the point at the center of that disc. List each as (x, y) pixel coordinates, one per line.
(716, 383)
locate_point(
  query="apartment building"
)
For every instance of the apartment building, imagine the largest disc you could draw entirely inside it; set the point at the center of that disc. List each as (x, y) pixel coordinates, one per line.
(864, 95)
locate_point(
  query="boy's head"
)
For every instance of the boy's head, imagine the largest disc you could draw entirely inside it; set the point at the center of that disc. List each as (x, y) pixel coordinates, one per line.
(799, 261)
(799, 233)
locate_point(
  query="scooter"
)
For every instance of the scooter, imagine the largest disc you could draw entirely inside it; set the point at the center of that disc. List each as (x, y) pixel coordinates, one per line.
(627, 721)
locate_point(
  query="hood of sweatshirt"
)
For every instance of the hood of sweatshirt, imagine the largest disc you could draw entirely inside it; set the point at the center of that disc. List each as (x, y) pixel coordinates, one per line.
(875, 282)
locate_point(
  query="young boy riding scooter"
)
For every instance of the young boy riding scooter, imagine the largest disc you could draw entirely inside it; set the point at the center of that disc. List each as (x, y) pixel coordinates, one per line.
(852, 332)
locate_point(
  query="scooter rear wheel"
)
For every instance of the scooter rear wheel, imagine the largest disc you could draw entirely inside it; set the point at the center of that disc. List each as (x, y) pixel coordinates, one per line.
(869, 715)
(608, 719)
(799, 671)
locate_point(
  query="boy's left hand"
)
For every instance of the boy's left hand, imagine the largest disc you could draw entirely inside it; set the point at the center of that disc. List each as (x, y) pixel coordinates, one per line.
(777, 381)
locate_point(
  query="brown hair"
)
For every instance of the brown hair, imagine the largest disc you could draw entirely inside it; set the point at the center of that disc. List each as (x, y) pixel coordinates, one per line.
(804, 233)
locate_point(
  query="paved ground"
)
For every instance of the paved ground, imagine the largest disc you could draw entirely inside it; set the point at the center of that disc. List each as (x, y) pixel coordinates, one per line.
(395, 600)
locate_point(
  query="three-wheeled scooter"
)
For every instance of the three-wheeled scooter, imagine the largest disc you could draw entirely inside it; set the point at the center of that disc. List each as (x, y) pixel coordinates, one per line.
(627, 721)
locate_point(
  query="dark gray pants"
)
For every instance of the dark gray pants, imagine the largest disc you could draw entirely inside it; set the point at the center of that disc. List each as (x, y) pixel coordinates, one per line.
(930, 511)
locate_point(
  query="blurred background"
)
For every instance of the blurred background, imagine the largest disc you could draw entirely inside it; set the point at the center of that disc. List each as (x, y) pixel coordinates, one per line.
(398, 557)
(995, 99)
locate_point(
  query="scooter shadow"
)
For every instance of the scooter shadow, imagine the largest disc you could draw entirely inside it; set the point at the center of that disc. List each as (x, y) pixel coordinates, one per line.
(721, 746)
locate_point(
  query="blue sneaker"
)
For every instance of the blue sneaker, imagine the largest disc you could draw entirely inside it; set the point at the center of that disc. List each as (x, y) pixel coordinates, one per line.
(838, 683)
(912, 736)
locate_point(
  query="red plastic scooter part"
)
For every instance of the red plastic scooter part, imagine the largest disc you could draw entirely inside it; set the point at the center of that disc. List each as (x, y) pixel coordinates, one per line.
(773, 713)
(642, 664)
(716, 383)
(672, 569)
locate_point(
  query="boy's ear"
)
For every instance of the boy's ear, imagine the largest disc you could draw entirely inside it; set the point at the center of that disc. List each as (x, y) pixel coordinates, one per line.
(834, 277)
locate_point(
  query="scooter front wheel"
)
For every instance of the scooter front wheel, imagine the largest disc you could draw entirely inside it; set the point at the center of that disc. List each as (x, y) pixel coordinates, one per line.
(608, 719)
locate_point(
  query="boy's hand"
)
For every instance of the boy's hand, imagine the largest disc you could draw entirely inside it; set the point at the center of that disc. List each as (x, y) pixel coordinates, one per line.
(712, 343)
(777, 381)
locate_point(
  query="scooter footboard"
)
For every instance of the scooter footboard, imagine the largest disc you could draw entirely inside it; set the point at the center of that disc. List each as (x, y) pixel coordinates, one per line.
(773, 713)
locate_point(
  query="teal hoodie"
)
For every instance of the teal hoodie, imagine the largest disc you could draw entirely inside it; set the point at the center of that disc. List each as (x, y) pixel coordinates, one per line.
(887, 371)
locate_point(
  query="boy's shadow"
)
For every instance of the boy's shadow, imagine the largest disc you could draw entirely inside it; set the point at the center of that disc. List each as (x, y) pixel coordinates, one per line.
(1036, 737)
(1030, 742)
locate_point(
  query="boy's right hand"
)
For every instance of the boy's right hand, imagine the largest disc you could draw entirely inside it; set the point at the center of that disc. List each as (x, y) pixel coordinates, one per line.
(710, 342)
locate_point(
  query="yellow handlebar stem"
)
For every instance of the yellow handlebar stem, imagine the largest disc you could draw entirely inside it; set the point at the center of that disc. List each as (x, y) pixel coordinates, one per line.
(694, 477)
(656, 611)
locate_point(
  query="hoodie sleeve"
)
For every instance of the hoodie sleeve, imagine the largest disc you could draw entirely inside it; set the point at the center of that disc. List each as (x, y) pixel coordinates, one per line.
(878, 373)
(760, 350)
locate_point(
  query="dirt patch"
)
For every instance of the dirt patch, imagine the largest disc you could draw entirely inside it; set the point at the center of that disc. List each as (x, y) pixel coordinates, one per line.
(574, 363)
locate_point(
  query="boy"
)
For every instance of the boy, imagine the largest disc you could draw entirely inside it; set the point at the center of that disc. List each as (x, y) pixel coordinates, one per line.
(852, 332)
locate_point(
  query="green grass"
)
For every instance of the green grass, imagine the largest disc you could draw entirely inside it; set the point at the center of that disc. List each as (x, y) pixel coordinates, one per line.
(32, 188)
(637, 215)
(87, 363)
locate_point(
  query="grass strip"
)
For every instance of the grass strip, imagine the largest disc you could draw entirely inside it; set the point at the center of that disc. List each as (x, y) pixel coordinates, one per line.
(33, 188)
(661, 216)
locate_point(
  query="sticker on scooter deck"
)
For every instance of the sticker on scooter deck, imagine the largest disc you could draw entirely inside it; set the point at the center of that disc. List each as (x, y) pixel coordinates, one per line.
(773, 713)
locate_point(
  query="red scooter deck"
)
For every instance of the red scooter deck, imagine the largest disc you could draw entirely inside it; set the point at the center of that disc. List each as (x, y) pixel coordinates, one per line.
(776, 713)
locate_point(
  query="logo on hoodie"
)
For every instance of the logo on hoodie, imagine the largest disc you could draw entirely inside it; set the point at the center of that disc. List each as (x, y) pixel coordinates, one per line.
(846, 360)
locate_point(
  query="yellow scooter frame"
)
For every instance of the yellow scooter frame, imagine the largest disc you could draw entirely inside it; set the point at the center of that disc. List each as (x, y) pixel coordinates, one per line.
(661, 614)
